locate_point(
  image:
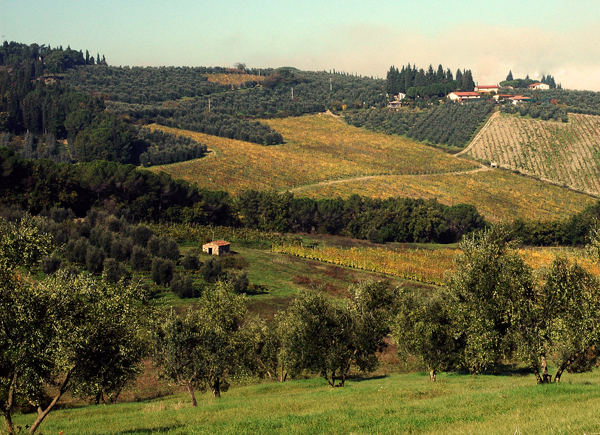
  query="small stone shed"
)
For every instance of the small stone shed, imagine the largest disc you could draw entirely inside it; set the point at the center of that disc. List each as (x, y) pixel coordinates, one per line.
(218, 247)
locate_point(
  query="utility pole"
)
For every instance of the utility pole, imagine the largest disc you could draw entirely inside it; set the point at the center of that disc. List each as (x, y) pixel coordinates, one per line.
(209, 104)
(292, 93)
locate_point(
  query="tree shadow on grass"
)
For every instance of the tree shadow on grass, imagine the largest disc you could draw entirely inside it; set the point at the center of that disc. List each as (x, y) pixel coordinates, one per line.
(359, 378)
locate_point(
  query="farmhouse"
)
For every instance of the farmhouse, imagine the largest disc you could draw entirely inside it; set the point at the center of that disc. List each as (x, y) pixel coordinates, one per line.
(218, 247)
(491, 89)
(541, 86)
(462, 97)
(521, 99)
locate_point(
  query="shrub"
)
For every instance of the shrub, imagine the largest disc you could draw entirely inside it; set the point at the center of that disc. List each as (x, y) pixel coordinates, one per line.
(211, 270)
(140, 258)
(190, 261)
(141, 234)
(94, 259)
(239, 281)
(183, 286)
(162, 271)
(121, 249)
(50, 264)
(113, 270)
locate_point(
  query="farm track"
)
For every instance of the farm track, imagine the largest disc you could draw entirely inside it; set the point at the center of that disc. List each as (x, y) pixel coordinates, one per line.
(371, 177)
(383, 176)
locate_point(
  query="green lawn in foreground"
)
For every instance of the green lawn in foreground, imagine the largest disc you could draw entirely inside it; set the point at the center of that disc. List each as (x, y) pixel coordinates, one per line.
(398, 404)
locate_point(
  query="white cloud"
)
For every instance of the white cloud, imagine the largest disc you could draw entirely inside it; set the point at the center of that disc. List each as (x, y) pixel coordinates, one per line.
(489, 51)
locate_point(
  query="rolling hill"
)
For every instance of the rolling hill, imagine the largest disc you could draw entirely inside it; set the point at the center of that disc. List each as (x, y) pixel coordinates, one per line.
(323, 157)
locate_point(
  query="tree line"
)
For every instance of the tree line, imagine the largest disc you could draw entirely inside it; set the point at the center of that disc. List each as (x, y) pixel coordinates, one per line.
(60, 123)
(524, 83)
(495, 308)
(36, 185)
(418, 83)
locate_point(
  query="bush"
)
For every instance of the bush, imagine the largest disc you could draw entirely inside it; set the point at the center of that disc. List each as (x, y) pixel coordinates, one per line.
(239, 281)
(61, 214)
(183, 286)
(211, 270)
(94, 259)
(162, 271)
(141, 234)
(121, 249)
(113, 271)
(190, 261)
(50, 264)
(140, 258)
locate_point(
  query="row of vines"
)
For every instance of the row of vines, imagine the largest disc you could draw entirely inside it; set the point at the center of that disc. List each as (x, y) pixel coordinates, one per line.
(427, 266)
(422, 265)
(567, 154)
(450, 124)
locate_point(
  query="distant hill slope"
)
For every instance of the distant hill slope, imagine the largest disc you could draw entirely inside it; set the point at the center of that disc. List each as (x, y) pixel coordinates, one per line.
(563, 153)
(326, 158)
(318, 148)
(498, 195)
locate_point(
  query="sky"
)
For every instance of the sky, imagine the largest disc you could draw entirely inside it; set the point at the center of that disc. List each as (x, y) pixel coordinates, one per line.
(364, 37)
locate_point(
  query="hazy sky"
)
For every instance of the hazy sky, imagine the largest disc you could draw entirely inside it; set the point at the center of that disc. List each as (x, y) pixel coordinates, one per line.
(489, 37)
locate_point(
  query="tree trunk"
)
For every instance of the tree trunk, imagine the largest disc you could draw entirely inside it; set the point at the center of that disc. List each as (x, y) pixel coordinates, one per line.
(42, 413)
(546, 377)
(565, 365)
(190, 389)
(216, 389)
(283, 375)
(432, 375)
(7, 409)
(10, 427)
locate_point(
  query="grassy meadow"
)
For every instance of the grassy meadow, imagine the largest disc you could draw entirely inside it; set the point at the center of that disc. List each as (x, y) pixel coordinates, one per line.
(508, 403)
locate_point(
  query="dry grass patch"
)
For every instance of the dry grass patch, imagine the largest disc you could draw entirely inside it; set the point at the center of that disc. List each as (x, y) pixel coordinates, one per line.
(498, 195)
(318, 148)
(233, 79)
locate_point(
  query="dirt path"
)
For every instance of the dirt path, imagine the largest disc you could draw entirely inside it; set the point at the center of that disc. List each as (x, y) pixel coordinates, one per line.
(369, 177)
(466, 150)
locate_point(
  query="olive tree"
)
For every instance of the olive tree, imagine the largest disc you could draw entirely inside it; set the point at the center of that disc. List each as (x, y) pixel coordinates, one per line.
(561, 321)
(70, 332)
(329, 338)
(422, 327)
(490, 285)
(205, 347)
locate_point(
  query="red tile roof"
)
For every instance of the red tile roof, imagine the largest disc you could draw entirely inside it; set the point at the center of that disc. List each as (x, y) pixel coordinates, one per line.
(218, 243)
(466, 94)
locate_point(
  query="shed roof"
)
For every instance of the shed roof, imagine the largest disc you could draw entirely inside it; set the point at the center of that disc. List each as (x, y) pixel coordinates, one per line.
(217, 243)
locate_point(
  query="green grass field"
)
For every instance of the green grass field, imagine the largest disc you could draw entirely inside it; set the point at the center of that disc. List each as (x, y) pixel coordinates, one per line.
(396, 404)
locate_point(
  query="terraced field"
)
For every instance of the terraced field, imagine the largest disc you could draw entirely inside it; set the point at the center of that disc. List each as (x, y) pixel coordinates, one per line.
(564, 153)
(318, 148)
